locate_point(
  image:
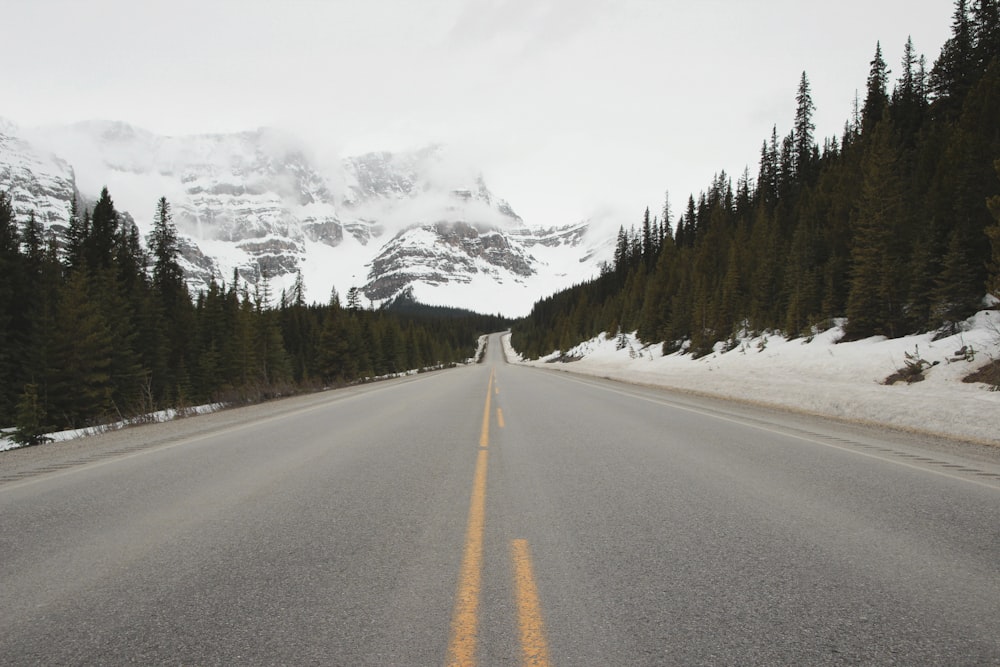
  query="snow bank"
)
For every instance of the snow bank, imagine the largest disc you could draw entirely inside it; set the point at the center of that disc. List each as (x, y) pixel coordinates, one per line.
(821, 376)
(161, 416)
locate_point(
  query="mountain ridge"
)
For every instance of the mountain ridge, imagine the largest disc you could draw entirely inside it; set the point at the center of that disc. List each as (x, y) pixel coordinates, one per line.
(260, 203)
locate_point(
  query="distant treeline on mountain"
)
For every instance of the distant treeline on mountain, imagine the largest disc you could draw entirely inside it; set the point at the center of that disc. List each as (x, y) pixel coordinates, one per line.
(893, 226)
(106, 329)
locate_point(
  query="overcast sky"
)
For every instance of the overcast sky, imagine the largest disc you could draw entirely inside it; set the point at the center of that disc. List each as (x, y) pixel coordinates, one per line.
(570, 107)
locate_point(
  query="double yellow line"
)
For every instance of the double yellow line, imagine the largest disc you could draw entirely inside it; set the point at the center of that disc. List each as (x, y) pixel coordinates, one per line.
(465, 617)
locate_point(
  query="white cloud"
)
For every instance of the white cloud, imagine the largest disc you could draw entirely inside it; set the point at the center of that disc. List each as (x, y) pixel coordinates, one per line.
(569, 105)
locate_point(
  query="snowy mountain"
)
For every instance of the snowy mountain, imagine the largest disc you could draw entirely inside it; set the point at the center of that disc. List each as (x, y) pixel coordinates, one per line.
(37, 181)
(264, 203)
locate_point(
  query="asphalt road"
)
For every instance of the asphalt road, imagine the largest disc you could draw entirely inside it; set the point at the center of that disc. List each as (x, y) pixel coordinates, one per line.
(496, 514)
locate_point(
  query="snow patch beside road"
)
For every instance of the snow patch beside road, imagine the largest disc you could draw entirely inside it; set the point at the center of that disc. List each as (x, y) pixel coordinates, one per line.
(819, 375)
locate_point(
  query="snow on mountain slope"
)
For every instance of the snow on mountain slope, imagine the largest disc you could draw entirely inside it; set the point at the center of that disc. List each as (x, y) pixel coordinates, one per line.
(36, 180)
(263, 203)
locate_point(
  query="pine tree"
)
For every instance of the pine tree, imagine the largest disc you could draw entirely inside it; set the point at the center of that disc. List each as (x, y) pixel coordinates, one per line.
(986, 32)
(993, 232)
(130, 260)
(31, 420)
(354, 299)
(168, 277)
(953, 71)
(964, 179)
(909, 97)
(118, 314)
(11, 282)
(668, 231)
(274, 368)
(953, 298)
(803, 282)
(299, 290)
(41, 278)
(99, 244)
(76, 236)
(79, 375)
(874, 304)
(33, 240)
(876, 98)
(337, 362)
(648, 243)
(804, 128)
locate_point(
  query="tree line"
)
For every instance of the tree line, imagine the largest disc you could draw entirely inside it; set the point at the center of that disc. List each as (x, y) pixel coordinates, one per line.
(98, 326)
(892, 226)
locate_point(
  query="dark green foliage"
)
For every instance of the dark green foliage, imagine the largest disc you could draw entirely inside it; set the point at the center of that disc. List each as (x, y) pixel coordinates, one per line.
(888, 227)
(30, 418)
(804, 127)
(876, 98)
(10, 275)
(168, 278)
(874, 303)
(79, 386)
(99, 240)
(993, 232)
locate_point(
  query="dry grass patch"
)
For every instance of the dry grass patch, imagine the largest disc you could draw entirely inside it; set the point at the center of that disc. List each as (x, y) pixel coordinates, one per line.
(988, 374)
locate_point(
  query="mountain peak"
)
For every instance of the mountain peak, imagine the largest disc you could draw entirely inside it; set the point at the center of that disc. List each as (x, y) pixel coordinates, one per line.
(258, 203)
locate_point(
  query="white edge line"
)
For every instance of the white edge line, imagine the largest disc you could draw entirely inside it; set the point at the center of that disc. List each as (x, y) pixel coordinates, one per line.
(851, 450)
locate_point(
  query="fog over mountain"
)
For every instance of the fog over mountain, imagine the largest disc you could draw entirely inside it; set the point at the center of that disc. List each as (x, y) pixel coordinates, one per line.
(268, 204)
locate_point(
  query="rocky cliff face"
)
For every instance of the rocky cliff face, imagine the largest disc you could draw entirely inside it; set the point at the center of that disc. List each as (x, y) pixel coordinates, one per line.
(261, 204)
(443, 253)
(37, 181)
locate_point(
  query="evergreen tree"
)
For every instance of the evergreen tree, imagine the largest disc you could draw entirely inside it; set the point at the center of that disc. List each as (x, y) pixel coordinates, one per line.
(33, 240)
(11, 272)
(36, 287)
(803, 280)
(76, 236)
(336, 362)
(909, 97)
(957, 292)
(168, 277)
(31, 421)
(117, 311)
(79, 380)
(874, 304)
(354, 299)
(876, 98)
(648, 242)
(993, 232)
(804, 128)
(986, 32)
(668, 231)
(953, 71)
(99, 243)
(767, 176)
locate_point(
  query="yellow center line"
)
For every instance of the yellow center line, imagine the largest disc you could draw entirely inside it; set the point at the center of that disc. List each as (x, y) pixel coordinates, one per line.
(499, 417)
(484, 434)
(534, 650)
(465, 616)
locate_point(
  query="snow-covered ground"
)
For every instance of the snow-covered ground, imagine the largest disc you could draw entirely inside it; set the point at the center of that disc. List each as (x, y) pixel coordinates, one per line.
(821, 376)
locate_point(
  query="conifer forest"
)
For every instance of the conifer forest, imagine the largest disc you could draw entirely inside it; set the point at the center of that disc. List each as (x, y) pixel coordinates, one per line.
(105, 329)
(893, 225)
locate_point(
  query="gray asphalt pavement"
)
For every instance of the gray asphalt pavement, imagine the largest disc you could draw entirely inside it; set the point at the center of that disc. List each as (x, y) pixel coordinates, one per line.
(657, 529)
